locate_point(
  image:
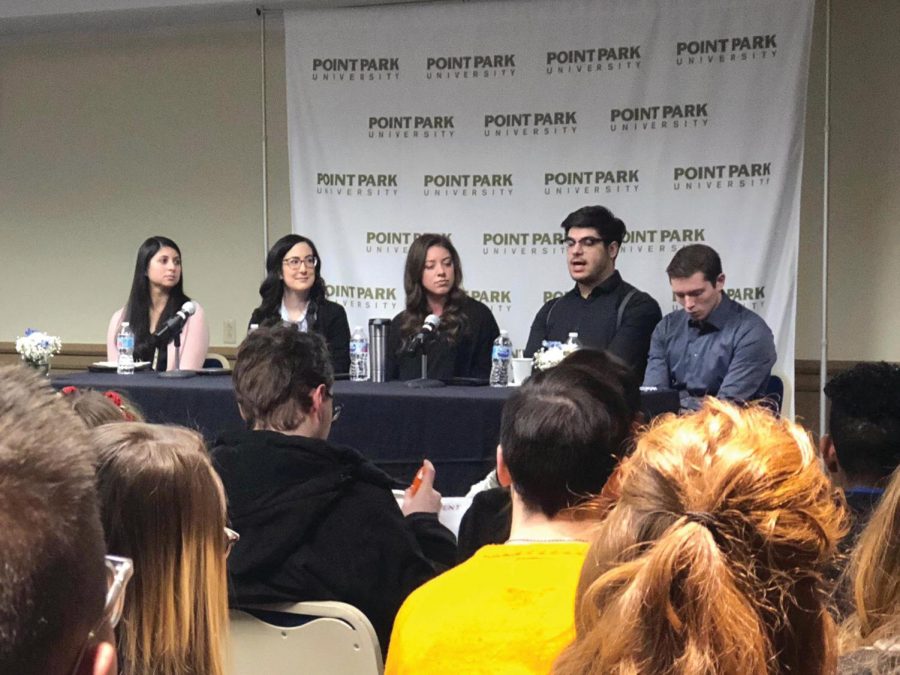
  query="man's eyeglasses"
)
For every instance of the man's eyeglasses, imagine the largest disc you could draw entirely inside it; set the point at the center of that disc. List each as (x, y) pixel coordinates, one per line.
(118, 573)
(586, 242)
(336, 408)
(294, 263)
(231, 538)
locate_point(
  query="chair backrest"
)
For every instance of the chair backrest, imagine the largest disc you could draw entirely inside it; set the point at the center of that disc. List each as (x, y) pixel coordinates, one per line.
(332, 638)
(215, 360)
(775, 393)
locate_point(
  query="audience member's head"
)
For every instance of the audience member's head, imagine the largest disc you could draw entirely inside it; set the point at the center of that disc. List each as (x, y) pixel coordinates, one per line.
(53, 579)
(283, 380)
(875, 575)
(560, 435)
(95, 408)
(711, 560)
(164, 507)
(616, 371)
(862, 448)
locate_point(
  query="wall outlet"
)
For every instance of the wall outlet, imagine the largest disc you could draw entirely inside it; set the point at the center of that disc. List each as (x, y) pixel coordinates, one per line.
(229, 332)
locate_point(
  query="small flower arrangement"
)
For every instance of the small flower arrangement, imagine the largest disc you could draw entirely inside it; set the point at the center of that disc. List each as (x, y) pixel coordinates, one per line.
(551, 354)
(37, 348)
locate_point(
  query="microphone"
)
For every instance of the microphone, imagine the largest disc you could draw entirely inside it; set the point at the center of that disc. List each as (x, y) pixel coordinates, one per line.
(173, 326)
(428, 329)
(432, 321)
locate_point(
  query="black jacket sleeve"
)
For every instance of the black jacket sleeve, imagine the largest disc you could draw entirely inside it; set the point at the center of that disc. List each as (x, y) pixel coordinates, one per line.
(333, 325)
(437, 542)
(485, 331)
(538, 331)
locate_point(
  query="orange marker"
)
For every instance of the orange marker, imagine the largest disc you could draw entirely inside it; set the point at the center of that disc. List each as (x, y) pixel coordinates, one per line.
(417, 481)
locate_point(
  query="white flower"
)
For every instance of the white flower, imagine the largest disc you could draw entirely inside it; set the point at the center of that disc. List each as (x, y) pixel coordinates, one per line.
(36, 347)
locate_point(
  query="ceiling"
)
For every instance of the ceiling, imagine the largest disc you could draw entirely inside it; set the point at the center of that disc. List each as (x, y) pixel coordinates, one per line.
(29, 16)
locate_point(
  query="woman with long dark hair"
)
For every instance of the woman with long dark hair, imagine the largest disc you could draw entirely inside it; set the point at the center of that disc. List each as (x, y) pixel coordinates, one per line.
(294, 291)
(157, 292)
(432, 280)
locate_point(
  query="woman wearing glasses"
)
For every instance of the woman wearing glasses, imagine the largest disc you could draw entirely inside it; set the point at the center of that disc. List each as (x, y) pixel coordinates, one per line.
(163, 506)
(294, 291)
(157, 293)
(462, 344)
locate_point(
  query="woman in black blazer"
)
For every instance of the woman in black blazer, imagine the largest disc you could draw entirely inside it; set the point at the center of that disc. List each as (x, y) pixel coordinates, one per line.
(294, 291)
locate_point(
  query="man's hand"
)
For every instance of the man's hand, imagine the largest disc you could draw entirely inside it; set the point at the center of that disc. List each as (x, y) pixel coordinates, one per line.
(426, 499)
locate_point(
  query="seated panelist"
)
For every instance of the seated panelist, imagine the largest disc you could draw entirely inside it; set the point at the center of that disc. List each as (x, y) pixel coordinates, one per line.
(294, 292)
(157, 293)
(716, 346)
(462, 343)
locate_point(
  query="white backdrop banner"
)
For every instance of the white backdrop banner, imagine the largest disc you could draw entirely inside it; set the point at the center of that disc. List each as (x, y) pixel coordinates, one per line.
(491, 121)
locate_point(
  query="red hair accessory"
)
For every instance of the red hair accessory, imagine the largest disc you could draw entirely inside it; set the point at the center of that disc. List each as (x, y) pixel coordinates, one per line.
(114, 397)
(66, 391)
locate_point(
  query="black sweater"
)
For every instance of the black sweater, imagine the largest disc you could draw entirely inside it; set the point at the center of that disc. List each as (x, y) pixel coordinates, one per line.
(318, 522)
(329, 319)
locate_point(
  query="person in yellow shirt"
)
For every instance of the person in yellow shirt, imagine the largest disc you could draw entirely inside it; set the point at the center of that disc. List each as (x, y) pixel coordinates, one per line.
(510, 608)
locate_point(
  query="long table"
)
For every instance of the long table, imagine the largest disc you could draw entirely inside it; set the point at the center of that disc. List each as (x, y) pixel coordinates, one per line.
(395, 426)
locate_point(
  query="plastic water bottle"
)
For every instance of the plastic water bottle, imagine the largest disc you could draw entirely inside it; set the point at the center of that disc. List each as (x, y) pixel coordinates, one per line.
(573, 344)
(359, 355)
(501, 355)
(125, 345)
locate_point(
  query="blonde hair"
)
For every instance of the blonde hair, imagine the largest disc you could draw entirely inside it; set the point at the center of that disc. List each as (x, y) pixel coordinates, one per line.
(164, 507)
(711, 560)
(874, 572)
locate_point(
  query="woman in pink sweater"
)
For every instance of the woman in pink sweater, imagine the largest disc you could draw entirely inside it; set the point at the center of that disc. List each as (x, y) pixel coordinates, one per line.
(157, 293)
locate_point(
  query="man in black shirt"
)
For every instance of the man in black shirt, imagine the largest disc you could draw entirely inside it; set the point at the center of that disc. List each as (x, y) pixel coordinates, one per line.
(606, 312)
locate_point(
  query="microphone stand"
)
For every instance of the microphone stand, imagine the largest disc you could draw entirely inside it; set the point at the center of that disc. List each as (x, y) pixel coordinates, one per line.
(424, 382)
(178, 372)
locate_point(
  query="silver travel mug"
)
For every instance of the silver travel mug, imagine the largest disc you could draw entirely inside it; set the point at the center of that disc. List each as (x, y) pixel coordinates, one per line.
(378, 329)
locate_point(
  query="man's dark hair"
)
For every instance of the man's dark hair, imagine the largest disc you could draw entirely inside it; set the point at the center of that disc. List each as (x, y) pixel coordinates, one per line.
(561, 433)
(276, 370)
(52, 572)
(610, 228)
(865, 419)
(618, 373)
(694, 258)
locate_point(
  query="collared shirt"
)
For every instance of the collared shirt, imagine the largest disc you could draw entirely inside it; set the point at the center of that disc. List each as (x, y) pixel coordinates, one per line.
(729, 355)
(594, 319)
(301, 323)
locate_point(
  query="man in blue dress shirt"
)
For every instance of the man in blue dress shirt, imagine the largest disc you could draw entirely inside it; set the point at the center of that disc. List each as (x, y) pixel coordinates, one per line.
(715, 347)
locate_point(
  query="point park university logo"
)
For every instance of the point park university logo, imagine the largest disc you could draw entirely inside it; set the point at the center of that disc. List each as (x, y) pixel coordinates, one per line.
(721, 176)
(726, 50)
(671, 116)
(596, 182)
(363, 297)
(355, 69)
(598, 60)
(468, 185)
(357, 184)
(470, 66)
(531, 124)
(411, 126)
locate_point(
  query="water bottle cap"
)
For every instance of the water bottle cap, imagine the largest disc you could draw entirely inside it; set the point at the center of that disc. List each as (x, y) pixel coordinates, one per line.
(504, 332)
(125, 324)
(573, 335)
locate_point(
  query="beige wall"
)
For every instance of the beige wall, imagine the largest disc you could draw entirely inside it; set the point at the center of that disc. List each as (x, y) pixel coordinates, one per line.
(108, 137)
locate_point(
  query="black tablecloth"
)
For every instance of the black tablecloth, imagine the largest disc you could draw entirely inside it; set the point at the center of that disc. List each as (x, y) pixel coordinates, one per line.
(395, 426)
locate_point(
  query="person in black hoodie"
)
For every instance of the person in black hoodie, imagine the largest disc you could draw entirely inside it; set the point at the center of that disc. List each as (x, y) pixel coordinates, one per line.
(318, 521)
